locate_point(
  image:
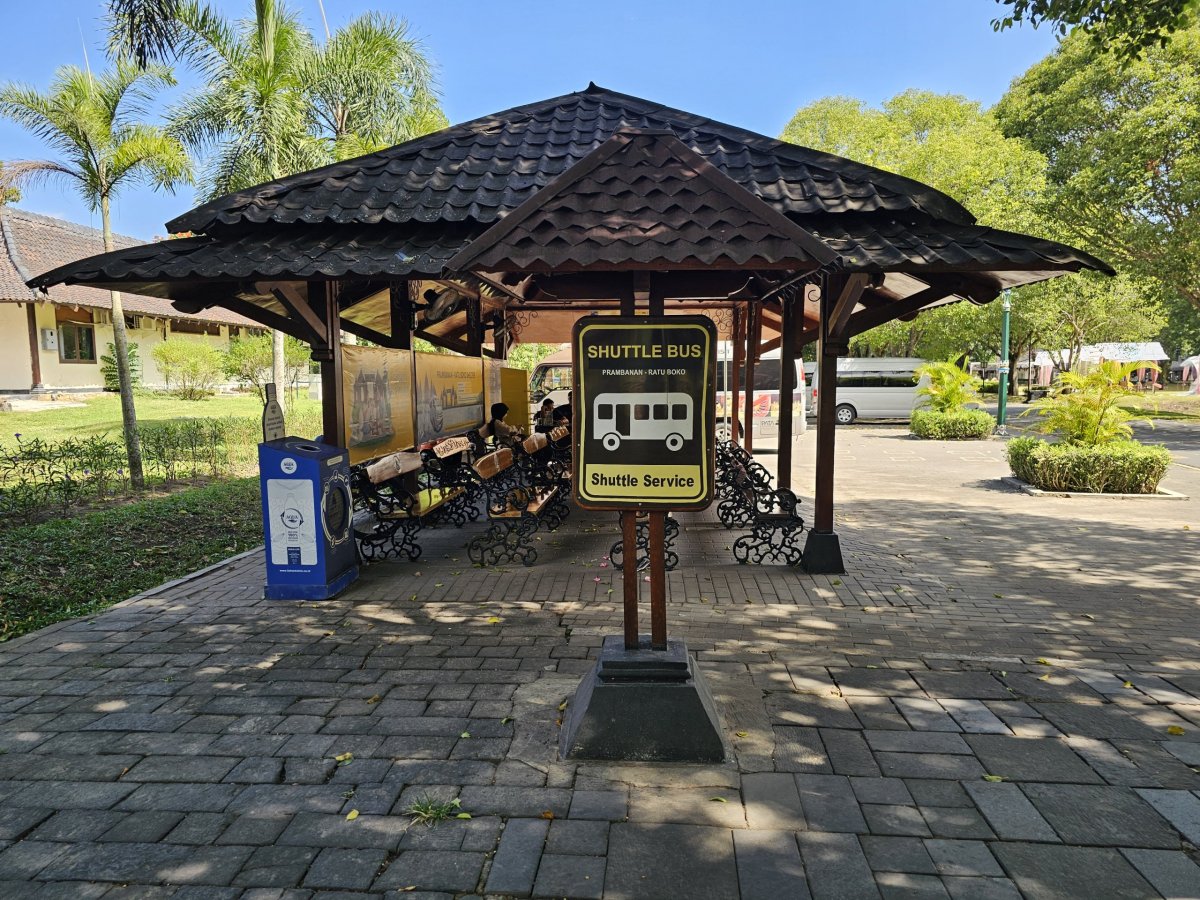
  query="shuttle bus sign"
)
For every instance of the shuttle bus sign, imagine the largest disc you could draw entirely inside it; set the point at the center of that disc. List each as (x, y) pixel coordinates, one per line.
(643, 412)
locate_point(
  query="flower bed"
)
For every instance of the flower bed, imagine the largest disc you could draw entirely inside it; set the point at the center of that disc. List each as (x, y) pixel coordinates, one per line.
(1119, 467)
(960, 425)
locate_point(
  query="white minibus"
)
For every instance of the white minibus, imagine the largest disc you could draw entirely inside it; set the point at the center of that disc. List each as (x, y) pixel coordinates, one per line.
(879, 388)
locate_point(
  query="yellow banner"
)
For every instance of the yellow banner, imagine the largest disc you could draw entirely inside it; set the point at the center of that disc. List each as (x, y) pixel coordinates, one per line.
(449, 395)
(606, 481)
(514, 392)
(377, 386)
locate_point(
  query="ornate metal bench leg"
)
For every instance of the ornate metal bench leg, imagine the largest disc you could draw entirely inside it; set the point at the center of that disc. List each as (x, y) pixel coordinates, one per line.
(770, 542)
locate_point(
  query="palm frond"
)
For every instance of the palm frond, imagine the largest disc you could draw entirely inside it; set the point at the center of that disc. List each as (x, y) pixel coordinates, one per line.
(145, 31)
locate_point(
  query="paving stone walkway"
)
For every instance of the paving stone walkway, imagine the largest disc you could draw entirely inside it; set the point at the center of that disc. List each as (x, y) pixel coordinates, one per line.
(1001, 700)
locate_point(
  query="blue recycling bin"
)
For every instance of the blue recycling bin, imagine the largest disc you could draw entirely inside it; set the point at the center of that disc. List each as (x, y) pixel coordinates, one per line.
(307, 519)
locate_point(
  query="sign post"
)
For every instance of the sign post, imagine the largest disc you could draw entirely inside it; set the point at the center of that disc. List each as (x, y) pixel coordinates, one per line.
(643, 427)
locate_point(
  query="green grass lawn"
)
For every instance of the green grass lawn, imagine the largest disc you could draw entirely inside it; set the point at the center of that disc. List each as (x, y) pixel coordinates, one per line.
(102, 413)
(79, 566)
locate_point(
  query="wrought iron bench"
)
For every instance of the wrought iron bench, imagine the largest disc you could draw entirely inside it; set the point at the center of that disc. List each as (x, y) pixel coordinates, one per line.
(670, 532)
(399, 494)
(521, 498)
(772, 514)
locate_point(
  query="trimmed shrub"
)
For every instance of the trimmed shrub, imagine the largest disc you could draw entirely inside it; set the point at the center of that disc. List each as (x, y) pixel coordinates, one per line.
(1119, 467)
(960, 425)
(192, 369)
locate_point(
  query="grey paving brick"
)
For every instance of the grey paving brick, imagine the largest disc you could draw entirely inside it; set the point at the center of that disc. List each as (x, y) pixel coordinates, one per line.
(877, 713)
(570, 876)
(1179, 808)
(143, 827)
(1054, 872)
(881, 790)
(74, 825)
(148, 863)
(1107, 721)
(956, 822)
(257, 770)
(917, 741)
(875, 683)
(769, 865)
(809, 710)
(319, 830)
(836, 867)
(897, 820)
(180, 797)
(609, 805)
(1101, 815)
(648, 860)
(189, 769)
(1030, 759)
(772, 801)
(515, 864)
(902, 886)
(345, 869)
(254, 831)
(24, 860)
(953, 857)
(69, 795)
(925, 715)
(278, 867)
(17, 821)
(1171, 872)
(929, 765)
(438, 870)
(897, 854)
(848, 752)
(972, 716)
(962, 888)
(799, 749)
(937, 792)
(1009, 812)
(688, 806)
(828, 803)
(577, 838)
(962, 685)
(139, 722)
(286, 799)
(199, 828)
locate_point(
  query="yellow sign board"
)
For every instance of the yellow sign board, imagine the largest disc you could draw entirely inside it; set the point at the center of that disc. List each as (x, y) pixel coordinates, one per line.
(644, 412)
(377, 386)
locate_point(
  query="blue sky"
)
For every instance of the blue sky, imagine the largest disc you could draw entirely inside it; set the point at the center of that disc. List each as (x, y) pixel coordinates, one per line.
(750, 64)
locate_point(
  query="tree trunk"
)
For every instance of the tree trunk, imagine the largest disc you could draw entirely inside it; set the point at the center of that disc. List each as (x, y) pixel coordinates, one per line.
(133, 446)
(279, 367)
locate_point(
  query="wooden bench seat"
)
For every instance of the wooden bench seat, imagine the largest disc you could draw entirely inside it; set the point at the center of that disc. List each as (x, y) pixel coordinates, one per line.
(519, 502)
(747, 500)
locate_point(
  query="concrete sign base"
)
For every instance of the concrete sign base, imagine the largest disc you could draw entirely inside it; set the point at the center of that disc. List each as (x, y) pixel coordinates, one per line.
(643, 705)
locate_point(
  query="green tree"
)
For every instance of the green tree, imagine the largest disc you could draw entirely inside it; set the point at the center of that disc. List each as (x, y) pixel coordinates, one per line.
(191, 369)
(248, 360)
(1124, 159)
(274, 102)
(1086, 409)
(96, 125)
(1127, 27)
(949, 388)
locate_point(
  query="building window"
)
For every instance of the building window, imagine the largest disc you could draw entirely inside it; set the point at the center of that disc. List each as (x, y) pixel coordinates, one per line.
(76, 342)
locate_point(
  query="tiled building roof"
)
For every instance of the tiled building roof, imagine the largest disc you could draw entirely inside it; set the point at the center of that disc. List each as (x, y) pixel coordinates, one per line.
(31, 243)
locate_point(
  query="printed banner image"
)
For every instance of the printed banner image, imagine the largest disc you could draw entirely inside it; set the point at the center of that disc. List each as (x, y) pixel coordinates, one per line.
(449, 395)
(377, 385)
(645, 400)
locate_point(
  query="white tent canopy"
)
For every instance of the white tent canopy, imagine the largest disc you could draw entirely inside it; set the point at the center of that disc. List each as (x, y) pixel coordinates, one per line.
(1147, 351)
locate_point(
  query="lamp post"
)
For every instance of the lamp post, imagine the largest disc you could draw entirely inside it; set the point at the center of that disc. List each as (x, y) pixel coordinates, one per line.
(1002, 396)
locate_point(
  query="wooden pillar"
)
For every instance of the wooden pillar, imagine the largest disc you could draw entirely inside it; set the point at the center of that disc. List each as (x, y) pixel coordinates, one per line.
(658, 581)
(629, 586)
(738, 339)
(500, 335)
(401, 317)
(474, 326)
(753, 339)
(35, 356)
(657, 305)
(322, 297)
(787, 387)
(625, 295)
(822, 550)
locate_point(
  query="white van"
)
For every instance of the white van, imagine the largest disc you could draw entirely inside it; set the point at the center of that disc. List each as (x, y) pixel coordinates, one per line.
(880, 388)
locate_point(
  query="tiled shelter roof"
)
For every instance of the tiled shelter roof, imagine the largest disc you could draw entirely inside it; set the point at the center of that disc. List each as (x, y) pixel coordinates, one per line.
(31, 243)
(485, 168)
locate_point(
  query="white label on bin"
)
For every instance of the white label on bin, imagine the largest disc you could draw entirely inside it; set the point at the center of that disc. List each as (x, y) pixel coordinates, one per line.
(288, 465)
(293, 522)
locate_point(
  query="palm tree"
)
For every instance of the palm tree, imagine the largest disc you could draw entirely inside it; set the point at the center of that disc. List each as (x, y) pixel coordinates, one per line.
(95, 125)
(274, 102)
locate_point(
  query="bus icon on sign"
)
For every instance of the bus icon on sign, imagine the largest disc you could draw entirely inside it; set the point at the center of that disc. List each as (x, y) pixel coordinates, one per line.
(665, 417)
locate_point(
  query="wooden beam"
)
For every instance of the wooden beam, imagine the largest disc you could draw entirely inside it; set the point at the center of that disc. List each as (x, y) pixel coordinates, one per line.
(732, 385)
(296, 305)
(474, 327)
(447, 343)
(787, 391)
(867, 319)
(715, 285)
(851, 290)
(401, 315)
(828, 351)
(370, 334)
(322, 297)
(269, 319)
